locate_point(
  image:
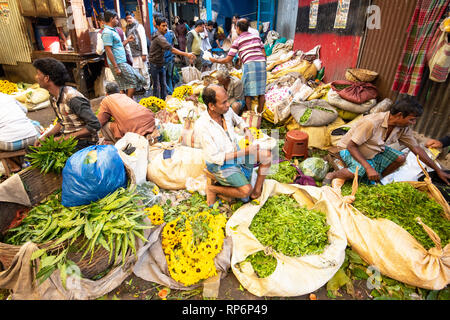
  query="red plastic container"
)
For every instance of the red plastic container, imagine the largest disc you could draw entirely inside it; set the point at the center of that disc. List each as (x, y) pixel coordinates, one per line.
(47, 41)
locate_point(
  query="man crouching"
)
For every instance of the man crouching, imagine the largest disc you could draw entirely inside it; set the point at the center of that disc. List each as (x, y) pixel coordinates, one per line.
(231, 166)
(365, 145)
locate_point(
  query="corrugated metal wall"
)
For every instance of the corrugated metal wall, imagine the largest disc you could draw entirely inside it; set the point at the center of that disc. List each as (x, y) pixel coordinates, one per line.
(382, 48)
(16, 47)
(381, 51)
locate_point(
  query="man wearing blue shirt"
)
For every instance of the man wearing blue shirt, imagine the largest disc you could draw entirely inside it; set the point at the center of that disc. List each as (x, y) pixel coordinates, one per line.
(125, 75)
(169, 62)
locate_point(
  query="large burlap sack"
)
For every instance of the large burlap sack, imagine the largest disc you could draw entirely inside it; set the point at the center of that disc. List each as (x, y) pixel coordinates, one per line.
(318, 137)
(152, 265)
(170, 164)
(390, 248)
(293, 276)
(336, 100)
(190, 73)
(322, 113)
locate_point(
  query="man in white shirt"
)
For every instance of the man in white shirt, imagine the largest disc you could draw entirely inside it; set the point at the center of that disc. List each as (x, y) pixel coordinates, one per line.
(231, 166)
(16, 129)
(139, 48)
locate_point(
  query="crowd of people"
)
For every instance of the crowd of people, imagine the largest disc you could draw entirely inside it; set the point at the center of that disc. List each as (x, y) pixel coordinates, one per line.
(141, 65)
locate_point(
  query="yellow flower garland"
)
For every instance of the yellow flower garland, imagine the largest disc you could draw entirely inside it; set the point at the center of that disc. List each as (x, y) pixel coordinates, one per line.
(189, 259)
(155, 214)
(182, 92)
(153, 103)
(8, 87)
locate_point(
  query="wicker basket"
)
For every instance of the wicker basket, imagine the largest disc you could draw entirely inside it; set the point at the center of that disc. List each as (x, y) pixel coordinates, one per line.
(360, 75)
(89, 268)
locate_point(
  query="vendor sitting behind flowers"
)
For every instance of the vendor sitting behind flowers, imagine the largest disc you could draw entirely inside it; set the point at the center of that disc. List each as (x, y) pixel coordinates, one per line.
(129, 116)
(234, 88)
(230, 165)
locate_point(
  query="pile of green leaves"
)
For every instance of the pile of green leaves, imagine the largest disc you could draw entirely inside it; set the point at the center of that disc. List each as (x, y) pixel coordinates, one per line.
(322, 109)
(285, 173)
(289, 228)
(306, 115)
(263, 265)
(52, 155)
(113, 223)
(402, 203)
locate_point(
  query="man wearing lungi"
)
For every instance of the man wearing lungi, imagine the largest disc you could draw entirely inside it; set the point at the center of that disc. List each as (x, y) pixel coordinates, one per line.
(253, 56)
(365, 145)
(125, 75)
(231, 166)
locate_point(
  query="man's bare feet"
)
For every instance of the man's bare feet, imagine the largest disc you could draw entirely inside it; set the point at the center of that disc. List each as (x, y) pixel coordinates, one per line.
(256, 194)
(210, 196)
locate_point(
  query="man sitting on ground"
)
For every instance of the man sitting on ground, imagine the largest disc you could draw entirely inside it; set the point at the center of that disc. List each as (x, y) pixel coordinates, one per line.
(231, 166)
(73, 110)
(16, 129)
(365, 145)
(234, 88)
(129, 116)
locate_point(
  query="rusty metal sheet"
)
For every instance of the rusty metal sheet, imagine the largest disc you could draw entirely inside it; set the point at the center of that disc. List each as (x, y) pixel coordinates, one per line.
(57, 8)
(13, 32)
(382, 48)
(27, 7)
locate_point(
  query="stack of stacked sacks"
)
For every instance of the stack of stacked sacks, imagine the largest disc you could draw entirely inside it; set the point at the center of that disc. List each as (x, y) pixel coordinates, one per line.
(290, 78)
(32, 96)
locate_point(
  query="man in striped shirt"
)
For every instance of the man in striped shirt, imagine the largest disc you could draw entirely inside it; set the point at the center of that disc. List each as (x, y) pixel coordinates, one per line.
(252, 54)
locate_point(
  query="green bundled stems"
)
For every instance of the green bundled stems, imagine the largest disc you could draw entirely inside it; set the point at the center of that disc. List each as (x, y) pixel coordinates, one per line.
(113, 223)
(286, 173)
(52, 155)
(290, 229)
(264, 265)
(401, 203)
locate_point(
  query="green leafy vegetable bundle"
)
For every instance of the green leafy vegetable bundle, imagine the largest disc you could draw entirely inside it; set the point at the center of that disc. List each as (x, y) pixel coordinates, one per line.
(113, 223)
(285, 173)
(401, 203)
(264, 265)
(306, 115)
(290, 229)
(52, 155)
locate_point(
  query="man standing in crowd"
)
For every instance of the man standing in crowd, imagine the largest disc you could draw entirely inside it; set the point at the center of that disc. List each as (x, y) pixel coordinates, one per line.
(73, 110)
(158, 47)
(129, 116)
(194, 43)
(169, 62)
(212, 35)
(231, 166)
(365, 145)
(126, 77)
(139, 48)
(251, 51)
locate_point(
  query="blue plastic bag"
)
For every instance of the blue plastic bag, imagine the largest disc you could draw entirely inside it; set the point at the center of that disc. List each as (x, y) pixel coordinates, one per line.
(91, 174)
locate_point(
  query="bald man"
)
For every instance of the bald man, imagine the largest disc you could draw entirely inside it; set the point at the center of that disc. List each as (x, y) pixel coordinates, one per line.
(231, 166)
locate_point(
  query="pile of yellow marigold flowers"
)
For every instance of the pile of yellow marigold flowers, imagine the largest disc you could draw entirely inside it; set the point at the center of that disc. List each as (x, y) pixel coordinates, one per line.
(8, 87)
(191, 241)
(182, 92)
(153, 103)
